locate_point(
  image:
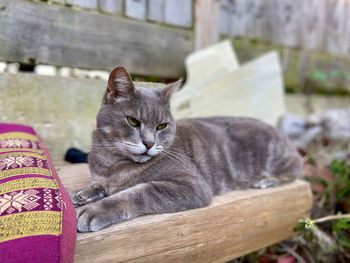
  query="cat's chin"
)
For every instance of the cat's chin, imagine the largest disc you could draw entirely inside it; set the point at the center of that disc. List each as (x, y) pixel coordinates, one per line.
(141, 158)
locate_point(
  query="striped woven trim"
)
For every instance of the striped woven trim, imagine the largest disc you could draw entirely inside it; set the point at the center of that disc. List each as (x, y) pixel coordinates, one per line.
(30, 224)
(2, 150)
(18, 135)
(26, 183)
(39, 156)
(24, 171)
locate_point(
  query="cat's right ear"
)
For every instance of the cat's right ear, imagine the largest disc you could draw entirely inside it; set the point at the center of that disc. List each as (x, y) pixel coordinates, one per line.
(120, 85)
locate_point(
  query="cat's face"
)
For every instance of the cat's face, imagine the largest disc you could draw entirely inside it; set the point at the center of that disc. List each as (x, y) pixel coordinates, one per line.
(135, 122)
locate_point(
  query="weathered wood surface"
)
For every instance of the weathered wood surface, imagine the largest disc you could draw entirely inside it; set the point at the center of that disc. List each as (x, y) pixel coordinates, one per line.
(223, 89)
(111, 6)
(178, 13)
(90, 4)
(73, 176)
(207, 23)
(136, 9)
(304, 105)
(62, 110)
(53, 34)
(233, 225)
(304, 71)
(156, 10)
(315, 24)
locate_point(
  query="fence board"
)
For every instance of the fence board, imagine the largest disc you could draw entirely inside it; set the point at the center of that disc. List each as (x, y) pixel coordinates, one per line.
(314, 19)
(111, 6)
(136, 9)
(156, 10)
(225, 15)
(91, 4)
(239, 18)
(337, 27)
(65, 37)
(286, 24)
(178, 13)
(312, 25)
(207, 26)
(259, 24)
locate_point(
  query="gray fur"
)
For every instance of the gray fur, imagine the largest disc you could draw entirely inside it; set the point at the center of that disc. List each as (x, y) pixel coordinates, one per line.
(191, 160)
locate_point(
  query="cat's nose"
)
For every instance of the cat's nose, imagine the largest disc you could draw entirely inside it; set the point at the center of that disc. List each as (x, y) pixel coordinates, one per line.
(148, 144)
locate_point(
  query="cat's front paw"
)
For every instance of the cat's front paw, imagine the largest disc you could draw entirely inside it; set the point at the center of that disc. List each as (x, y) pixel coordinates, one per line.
(76, 199)
(91, 218)
(91, 193)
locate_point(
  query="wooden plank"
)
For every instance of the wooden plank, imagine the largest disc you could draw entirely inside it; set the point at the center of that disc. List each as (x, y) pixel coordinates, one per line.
(201, 69)
(74, 176)
(314, 23)
(207, 23)
(136, 9)
(156, 10)
(111, 6)
(286, 22)
(90, 4)
(178, 13)
(239, 18)
(338, 31)
(223, 90)
(304, 105)
(62, 110)
(199, 64)
(258, 19)
(225, 17)
(233, 225)
(89, 40)
(62, 2)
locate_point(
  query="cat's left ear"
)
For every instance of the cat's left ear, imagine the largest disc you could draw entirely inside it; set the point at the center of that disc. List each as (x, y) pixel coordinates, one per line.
(169, 90)
(120, 85)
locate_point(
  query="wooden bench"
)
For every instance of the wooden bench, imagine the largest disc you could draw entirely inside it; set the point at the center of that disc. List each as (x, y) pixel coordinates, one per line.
(233, 225)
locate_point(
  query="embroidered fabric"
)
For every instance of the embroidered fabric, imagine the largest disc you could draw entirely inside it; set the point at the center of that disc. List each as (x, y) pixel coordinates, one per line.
(34, 207)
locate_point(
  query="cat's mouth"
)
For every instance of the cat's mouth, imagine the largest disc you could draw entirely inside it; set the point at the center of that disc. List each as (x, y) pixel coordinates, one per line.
(142, 158)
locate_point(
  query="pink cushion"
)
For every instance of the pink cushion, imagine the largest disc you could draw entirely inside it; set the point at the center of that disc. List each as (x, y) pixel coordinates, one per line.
(37, 218)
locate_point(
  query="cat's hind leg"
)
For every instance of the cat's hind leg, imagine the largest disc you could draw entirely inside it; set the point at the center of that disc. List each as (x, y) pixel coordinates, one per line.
(285, 171)
(267, 182)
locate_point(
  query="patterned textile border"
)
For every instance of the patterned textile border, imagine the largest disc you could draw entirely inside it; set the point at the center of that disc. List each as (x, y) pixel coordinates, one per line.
(20, 153)
(20, 145)
(33, 202)
(24, 171)
(26, 183)
(33, 199)
(21, 149)
(18, 136)
(30, 224)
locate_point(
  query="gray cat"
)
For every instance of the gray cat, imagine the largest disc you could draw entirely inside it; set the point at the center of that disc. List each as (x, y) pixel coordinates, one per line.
(143, 162)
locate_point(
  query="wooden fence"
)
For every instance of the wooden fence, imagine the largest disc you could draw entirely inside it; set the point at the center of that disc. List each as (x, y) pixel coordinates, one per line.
(152, 37)
(39, 33)
(312, 24)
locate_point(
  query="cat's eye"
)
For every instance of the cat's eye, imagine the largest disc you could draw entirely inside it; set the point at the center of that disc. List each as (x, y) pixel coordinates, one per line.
(161, 126)
(133, 122)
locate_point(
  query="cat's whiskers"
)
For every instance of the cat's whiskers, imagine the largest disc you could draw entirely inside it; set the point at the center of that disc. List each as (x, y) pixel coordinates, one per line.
(173, 156)
(130, 144)
(180, 154)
